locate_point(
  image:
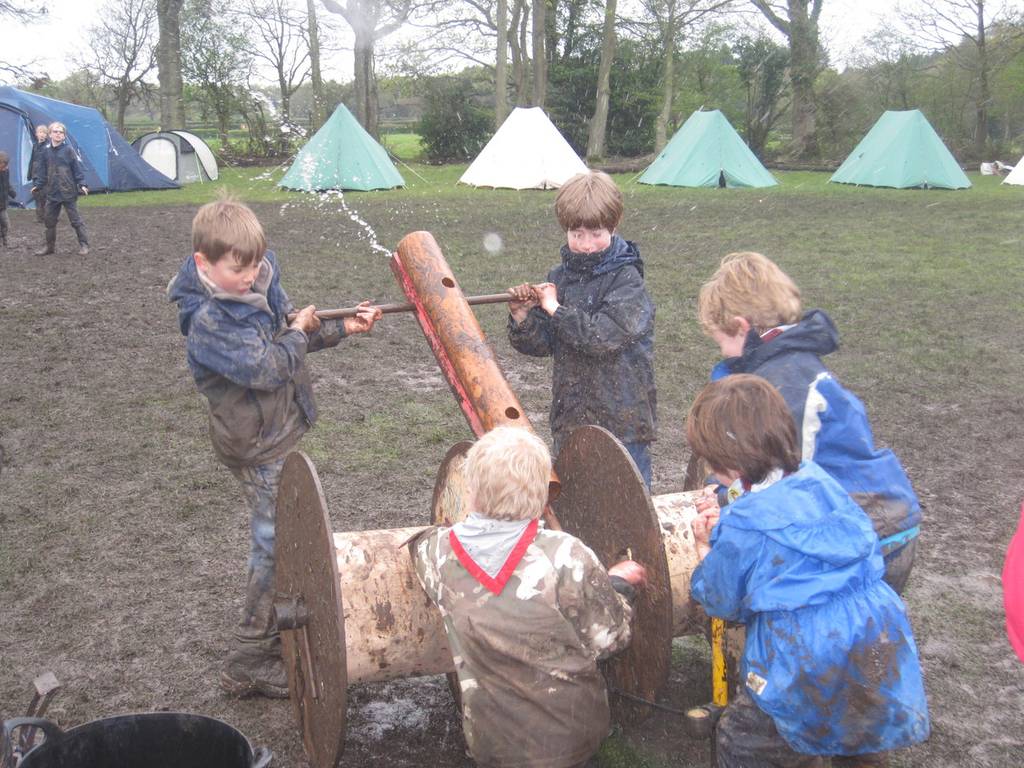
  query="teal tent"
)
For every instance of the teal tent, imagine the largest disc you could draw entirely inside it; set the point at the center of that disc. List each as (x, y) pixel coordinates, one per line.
(707, 152)
(902, 150)
(342, 155)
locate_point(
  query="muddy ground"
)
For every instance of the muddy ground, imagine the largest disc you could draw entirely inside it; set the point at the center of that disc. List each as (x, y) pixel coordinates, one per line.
(122, 542)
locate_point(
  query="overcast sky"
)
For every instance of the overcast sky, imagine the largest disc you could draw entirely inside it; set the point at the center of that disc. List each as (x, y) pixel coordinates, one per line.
(51, 43)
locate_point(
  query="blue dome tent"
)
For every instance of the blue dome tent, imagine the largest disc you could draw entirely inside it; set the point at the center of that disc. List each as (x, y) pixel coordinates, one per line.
(110, 163)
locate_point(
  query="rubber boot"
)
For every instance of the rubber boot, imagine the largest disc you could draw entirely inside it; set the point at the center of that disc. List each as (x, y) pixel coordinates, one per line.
(254, 665)
(51, 243)
(83, 240)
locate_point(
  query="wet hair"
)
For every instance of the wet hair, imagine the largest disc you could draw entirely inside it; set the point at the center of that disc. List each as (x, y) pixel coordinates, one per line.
(741, 423)
(5, 159)
(589, 200)
(227, 226)
(751, 286)
(507, 472)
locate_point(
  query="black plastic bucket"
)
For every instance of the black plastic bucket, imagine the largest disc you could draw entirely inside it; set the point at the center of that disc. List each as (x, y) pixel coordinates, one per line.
(151, 740)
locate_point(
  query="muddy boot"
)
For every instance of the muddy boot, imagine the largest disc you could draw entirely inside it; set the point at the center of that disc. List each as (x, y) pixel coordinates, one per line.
(51, 243)
(255, 666)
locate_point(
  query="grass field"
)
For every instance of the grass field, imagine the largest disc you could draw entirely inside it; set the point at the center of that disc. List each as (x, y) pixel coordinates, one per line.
(105, 449)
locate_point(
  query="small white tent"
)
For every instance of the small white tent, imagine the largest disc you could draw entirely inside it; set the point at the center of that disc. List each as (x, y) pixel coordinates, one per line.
(527, 152)
(1016, 176)
(179, 155)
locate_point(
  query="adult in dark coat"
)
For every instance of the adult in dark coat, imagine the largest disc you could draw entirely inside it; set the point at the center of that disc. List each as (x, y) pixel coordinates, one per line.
(39, 195)
(61, 176)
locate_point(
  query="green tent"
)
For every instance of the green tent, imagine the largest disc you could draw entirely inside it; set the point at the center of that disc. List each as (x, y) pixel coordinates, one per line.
(707, 152)
(342, 155)
(902, 150)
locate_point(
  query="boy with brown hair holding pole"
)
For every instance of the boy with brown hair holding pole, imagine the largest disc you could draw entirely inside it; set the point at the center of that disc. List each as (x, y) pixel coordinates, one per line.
(248, 360)
(595, 317)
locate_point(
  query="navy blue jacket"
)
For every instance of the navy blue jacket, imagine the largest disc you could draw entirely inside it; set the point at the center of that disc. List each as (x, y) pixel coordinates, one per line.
(35, 159)
(830, 420)
(602, 341)
(829, 653)
(248, 364)
(5, 188)
(59, 172)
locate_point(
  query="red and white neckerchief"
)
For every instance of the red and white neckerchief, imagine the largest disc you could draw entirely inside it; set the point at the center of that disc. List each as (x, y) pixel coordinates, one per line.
(771, 333)
(497, 582)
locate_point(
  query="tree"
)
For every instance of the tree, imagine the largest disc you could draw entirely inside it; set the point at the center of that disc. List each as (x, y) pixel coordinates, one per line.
(214, 61)
(122, 51)
(501, 64)
(540, 69)
(23, 13)
(452, 127)
(667, 21)
(798, 21)
(168, 58)
(277, 36)
(370, 20)
(890, 63)
(762, 69)
(961, 28)
(599, 122)
(319, 105)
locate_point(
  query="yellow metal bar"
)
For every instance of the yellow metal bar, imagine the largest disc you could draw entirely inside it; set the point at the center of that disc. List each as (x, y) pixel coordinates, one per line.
(719, 682)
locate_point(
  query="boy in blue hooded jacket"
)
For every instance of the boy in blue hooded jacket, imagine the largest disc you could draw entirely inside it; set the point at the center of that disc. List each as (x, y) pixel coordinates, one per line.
(249, 363)
(830, 666)
(752, 310)
(595, 317)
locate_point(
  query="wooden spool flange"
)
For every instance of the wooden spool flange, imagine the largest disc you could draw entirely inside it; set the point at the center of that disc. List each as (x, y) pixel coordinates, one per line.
(350, 609)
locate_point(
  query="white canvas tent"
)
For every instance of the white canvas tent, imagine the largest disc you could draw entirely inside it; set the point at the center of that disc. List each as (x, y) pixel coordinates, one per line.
(1016, 176)
(179, 155)
(527, 152)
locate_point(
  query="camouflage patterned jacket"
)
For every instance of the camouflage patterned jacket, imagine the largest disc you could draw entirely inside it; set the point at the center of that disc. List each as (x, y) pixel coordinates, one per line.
(248, 364)
(526, 657)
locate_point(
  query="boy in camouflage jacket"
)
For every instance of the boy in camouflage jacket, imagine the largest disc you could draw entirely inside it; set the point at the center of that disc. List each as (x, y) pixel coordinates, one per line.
(249, 363)
(528, 612)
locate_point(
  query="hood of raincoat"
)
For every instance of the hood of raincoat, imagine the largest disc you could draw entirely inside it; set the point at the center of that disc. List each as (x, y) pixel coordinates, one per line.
(619, 253)
(815, 333)
(809, 514)
(189, 291)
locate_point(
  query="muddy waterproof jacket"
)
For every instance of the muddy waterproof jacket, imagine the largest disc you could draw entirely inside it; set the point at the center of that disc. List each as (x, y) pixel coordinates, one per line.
(602, 341)
(526, 658)
(34, 170)
(248, 364)
(829, 652)
(832, 422)
(6, 193)
(59, 172)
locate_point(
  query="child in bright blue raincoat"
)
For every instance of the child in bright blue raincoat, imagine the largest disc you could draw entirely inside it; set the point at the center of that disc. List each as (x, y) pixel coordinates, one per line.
(752, 310)
(830, 665)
